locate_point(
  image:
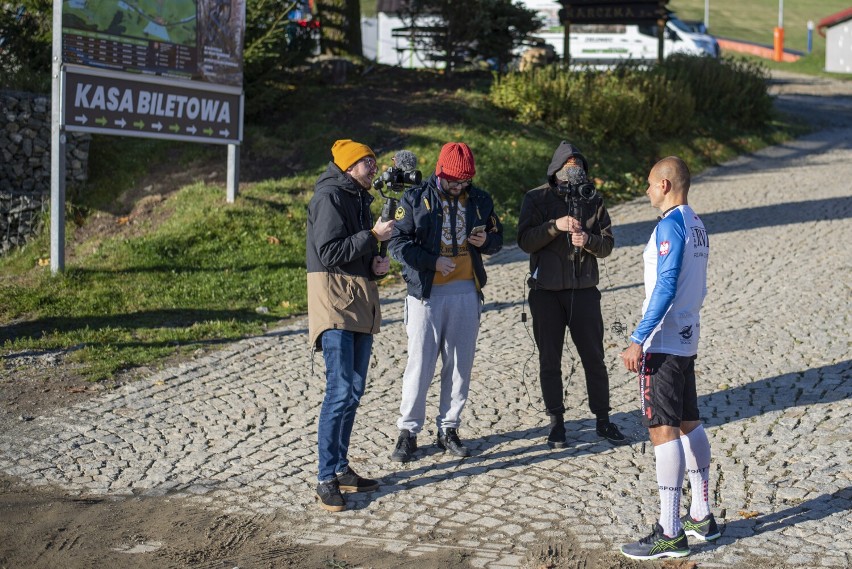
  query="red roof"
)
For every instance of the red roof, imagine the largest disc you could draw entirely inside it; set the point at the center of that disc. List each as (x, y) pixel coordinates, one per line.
(829, 21)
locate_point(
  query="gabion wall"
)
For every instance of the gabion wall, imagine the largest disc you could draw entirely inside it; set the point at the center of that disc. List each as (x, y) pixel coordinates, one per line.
(25, 165)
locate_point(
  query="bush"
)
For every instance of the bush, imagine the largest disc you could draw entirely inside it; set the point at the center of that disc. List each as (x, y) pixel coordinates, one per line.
(726, 91)
(623, 105)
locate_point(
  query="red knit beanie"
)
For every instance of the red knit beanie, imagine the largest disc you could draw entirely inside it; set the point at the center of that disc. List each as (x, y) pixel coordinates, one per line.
(455, 162)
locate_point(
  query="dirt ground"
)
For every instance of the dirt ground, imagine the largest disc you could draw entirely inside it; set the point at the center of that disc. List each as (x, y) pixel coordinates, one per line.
(44, 527)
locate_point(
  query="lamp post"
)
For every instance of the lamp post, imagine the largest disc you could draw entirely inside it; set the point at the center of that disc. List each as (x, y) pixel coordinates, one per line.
(707, 14)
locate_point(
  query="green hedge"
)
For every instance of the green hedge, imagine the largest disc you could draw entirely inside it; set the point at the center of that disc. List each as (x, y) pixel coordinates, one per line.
(629, 104)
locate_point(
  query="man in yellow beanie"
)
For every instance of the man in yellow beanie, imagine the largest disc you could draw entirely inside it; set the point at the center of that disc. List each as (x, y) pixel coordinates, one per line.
(343, 264)
(443, 228)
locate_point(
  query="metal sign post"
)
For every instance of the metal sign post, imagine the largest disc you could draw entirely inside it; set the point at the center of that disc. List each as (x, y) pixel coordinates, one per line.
(57, 150)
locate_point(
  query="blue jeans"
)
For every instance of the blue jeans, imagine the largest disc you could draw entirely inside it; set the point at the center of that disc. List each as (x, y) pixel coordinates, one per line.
(347, 357)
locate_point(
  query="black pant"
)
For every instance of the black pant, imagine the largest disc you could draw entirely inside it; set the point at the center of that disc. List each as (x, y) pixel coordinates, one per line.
(579, 310)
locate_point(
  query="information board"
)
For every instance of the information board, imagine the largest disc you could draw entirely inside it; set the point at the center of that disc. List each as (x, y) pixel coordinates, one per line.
(190, 39)
(139, 105)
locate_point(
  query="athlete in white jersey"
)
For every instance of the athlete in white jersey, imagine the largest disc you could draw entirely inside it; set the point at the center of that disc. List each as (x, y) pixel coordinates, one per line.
(675, 284)
(662, 350)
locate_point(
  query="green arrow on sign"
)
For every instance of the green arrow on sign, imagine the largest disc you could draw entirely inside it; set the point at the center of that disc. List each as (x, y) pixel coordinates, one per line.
(174, 128)
(208, 131)
(139, 124)
(101, 121)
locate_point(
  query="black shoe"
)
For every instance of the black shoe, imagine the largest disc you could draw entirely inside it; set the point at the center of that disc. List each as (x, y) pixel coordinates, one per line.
(610, 432)
(349, 481)
(406, 446)
(329, 496)
(556, 437)
(704, 529)
(657, 545)
(448, 440)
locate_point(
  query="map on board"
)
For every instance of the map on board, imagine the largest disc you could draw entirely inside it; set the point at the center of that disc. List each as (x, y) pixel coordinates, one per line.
(172, 21)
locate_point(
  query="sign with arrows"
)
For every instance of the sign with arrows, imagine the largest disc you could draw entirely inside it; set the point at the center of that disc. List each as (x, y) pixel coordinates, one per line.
(148, 106)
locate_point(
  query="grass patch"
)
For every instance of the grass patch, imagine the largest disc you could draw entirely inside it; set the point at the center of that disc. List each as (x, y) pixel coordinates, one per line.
(755, 22)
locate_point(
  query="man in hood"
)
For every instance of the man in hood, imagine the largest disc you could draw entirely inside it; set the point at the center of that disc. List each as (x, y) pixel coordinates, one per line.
(343, 264)
(565, 228)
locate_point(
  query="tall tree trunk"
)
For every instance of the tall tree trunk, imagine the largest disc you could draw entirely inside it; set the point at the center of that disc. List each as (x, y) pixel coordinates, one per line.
(341, 26)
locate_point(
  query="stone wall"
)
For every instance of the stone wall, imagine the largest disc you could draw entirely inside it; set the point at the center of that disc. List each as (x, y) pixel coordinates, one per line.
(25, 165)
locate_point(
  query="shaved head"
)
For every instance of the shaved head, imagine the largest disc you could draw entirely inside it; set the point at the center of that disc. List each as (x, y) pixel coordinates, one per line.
(675, 170)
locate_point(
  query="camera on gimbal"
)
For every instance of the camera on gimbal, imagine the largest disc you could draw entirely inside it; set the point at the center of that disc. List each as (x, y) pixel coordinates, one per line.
(583, 191)
(397, 177)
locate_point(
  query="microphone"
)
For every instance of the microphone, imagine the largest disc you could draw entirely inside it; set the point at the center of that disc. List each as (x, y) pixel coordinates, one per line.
(575, 176)
(405, 160)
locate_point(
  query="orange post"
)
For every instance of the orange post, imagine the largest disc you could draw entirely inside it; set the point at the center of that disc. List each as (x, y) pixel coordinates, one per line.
(778, 54)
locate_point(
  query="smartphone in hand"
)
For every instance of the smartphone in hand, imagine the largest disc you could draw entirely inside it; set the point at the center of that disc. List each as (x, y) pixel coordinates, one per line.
(477, 229)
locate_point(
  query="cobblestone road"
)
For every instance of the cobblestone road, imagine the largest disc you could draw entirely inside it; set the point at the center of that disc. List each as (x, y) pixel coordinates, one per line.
(237, 427)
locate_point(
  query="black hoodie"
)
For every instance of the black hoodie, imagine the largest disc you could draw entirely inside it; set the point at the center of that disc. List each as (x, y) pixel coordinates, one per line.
(552, 262)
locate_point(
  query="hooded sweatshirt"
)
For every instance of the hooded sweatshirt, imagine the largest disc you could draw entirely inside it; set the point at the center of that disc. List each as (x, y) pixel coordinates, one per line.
(553, 263)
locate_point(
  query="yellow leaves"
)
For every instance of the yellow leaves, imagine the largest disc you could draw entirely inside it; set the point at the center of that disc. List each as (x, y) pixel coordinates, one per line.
(748, 515)
(272, 240)
(286, 304)
(124, 220)
(43, 261)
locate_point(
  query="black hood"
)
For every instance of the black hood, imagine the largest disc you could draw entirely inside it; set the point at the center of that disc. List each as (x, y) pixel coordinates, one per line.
(562, 153)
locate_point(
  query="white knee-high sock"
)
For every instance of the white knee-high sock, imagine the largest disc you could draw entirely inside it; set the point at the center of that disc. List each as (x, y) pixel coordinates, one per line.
(696, 450)
(670, 466)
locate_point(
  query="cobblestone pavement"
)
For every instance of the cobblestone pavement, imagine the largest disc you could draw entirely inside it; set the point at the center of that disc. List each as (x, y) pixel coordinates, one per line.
(237, 427)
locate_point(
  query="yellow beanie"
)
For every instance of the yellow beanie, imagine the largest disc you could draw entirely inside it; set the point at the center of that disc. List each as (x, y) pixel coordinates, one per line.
(347, 152)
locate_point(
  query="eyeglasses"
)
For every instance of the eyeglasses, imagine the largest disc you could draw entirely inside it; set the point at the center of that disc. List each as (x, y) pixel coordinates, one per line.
(459, 184)
(368, 160)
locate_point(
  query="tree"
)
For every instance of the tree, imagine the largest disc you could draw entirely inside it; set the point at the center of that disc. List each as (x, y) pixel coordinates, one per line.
(341, 26)
(457, 32)
(273, 41)
(25, 45)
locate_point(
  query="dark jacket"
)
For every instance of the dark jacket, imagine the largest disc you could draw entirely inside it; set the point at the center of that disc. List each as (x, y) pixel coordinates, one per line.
(340, 248)
(416, 238)
(551, 252)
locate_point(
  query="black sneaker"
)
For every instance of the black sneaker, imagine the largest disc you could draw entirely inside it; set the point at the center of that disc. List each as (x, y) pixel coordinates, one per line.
(349, 481)
(610, 432)
(329, 496)
(448, 440)
(704, 529)
(556, 437)
(657, 545)
(406, 446)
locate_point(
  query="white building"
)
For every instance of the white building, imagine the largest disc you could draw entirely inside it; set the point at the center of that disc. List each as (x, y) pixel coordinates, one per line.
(388, 39)
(837, 30)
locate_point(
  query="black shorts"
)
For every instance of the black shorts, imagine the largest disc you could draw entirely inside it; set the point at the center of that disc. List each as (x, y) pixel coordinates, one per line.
(667, 390)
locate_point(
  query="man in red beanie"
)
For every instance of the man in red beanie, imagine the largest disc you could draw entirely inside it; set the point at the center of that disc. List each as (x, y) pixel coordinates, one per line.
(343, 264)
(443, 227)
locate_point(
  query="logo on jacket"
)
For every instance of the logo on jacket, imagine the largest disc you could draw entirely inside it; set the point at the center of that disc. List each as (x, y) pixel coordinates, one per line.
(664, 248)
(399, 214)
(686, 332)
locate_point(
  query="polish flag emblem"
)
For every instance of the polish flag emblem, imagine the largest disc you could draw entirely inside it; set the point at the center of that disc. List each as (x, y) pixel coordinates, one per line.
(664, 248)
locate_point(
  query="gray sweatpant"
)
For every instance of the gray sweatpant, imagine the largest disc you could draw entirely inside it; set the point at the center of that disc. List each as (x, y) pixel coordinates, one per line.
(445, 324)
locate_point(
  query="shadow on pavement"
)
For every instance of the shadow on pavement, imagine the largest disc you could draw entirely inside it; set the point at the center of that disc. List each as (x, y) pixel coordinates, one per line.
(638, 233)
